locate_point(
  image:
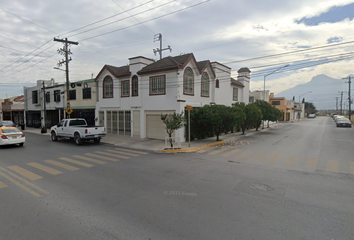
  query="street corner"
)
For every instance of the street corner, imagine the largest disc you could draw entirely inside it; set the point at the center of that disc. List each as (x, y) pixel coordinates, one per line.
(192, 149)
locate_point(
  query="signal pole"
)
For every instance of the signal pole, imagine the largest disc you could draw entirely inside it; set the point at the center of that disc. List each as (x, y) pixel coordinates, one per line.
(158, 37)
(66, 52)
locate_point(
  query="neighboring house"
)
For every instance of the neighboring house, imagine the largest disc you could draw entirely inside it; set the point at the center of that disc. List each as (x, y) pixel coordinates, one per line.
(82, 101)
(34, 103)
(132, 98)
(283, 105)
(13, 109)
(299, 110)
(83, 98)
(258, 95)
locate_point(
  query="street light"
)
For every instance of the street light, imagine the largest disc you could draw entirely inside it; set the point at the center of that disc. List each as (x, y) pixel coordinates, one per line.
(270, 74)
(264, 85)
(303, 95)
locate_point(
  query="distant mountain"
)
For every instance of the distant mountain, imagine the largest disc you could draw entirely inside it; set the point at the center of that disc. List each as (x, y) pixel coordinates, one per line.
(323, 92)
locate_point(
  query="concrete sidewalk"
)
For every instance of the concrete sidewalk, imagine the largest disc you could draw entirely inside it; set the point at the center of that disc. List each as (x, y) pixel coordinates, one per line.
(159, 145)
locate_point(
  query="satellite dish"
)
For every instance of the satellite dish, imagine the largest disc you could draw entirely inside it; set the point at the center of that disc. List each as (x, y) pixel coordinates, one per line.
(72, 85)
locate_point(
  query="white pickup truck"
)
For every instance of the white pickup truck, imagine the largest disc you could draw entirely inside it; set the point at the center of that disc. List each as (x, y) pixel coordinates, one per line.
(78, 130)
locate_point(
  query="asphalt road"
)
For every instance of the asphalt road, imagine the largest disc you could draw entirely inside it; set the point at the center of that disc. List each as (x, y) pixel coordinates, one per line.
(291, 182)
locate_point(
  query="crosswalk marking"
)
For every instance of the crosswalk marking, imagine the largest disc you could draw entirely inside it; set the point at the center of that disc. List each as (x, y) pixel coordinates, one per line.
(102, 157)
(133, 151)
(311, 163)
(292, 161)
(76, 162)
(89, 159)
(258, 156)
(244, 154)
(20, 185)
(274, 158)
(124, 153)
(219, 151)
(351, 164)
(24, 172)
(2, 185)
(203, 150)
(231, 152)
(112, 155)
(44, 168)
(62, 165)
(332, 166)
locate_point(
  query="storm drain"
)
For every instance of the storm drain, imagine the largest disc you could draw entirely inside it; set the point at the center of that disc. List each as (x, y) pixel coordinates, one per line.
(262, 187)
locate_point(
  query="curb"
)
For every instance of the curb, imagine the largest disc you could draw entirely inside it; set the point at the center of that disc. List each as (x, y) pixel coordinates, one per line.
(192, 149)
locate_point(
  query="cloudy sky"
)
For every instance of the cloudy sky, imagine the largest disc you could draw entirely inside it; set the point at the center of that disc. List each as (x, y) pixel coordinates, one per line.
(312, 37)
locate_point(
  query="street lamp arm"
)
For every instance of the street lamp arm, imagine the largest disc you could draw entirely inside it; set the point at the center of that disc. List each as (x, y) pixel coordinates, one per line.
(276, 70)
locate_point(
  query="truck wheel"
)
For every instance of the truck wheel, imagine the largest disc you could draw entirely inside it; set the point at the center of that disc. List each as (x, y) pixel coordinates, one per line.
(77, 139)
(54, 137)
(97, 140)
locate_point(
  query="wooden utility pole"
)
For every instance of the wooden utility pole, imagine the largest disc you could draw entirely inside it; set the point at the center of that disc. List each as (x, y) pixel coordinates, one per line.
(66, 52)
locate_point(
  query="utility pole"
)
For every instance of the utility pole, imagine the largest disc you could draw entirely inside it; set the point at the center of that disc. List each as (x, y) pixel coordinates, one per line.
(66, 52)
(349, 96)
(341, 103)
(44, 127)
(158, 37)
(336, 104)
(350, 101)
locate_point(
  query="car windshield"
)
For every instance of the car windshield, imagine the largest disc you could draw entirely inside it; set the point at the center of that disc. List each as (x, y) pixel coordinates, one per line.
(10, 130)
(7, 123)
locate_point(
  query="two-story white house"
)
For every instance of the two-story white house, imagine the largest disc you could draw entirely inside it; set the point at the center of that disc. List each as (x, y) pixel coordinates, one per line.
(132, 98)
(35, 101)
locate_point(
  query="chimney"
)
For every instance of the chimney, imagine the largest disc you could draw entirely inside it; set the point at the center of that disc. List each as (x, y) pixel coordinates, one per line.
(271, 95)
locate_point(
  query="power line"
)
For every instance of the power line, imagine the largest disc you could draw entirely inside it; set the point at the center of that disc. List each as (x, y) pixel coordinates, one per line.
(291, 52)
(152, 19)
(127, 11)
(119, 20)
(26, 20)
(140, 5)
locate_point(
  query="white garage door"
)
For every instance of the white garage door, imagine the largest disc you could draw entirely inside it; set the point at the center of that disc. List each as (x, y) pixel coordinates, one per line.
(155, 128)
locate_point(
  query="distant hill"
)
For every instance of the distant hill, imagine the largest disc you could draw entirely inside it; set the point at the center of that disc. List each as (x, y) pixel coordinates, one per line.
(324, 91)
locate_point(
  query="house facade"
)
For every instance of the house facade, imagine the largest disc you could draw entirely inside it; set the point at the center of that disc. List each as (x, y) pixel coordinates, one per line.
(83, 98)
(258, 95)
(132, 98)
(13, 109)
(281, 103)
(35, 100)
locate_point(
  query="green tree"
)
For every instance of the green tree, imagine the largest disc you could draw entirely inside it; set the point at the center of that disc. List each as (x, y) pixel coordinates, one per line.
(310, 108)
(275, 115)
(219, 118)
(266, 110)
(253, 116)
(241, 106)
(173, 121)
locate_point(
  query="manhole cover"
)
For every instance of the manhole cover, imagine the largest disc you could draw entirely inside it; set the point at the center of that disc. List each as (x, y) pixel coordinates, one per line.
(262, 187)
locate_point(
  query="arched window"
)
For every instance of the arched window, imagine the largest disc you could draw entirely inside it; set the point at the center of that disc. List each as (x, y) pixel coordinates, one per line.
(188, 82)
(135, 85)
(108, 87)
(217, 83)
(205, 85)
